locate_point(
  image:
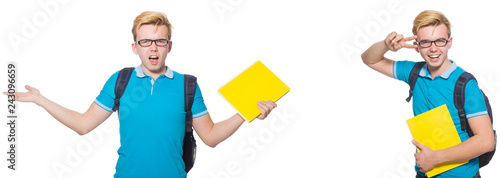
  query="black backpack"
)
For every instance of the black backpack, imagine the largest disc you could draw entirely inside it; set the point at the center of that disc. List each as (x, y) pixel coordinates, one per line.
(458, 98)
(189, 145)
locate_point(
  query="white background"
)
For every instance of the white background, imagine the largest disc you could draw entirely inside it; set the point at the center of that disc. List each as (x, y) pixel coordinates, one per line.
(340, 118)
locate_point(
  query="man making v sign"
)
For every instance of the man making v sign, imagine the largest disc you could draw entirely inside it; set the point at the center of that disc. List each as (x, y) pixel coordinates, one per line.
(434, 87)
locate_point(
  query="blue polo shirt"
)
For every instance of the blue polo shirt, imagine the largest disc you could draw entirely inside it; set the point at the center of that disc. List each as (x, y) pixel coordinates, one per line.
(430, 93)
(152, 123)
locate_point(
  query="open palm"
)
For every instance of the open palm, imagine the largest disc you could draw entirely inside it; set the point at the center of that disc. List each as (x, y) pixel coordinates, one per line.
(30, 96)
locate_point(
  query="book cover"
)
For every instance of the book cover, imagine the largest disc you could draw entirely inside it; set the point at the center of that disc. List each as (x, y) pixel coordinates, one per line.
(435, 129)
(257, 83)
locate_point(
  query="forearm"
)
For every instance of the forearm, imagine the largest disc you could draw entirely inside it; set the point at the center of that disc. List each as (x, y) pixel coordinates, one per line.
(212, 134)
(222, 130)
(467, 150)
(375, 53)
(68, 117)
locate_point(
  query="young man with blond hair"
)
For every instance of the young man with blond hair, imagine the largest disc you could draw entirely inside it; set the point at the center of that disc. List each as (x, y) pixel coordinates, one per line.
(434, 87)
(152, 116)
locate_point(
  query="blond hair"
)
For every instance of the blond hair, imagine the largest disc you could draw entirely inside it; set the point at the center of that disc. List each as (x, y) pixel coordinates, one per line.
(151, 17)
(428, 18)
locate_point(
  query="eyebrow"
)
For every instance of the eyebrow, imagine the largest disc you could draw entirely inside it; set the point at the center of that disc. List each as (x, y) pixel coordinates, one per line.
(152, 39)
(434, 40)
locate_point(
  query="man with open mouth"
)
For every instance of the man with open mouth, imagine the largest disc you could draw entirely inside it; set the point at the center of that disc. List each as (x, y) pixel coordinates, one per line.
(151, 111)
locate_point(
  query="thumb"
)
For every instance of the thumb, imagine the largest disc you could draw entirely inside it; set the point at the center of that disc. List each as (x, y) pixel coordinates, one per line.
(418, 145)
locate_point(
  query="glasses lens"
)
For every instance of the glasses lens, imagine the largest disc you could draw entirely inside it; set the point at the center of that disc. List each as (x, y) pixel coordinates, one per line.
(145, 43)
(441, 42)
(425, 43)
(161, 42)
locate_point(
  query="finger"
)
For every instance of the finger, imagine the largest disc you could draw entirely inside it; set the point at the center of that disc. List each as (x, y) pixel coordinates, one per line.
(261, 106)
(265, 107)
(397, 46)
(389, 40)
(264, 104)
(271, 104)
(262, 109)
(391, 36)
(412, 46)
(398, 37)
(418, 145)
(422, 147)
(410, 38)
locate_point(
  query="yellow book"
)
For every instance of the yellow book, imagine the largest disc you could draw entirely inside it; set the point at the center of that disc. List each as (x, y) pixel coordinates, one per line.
(257, 83)
(435, 129)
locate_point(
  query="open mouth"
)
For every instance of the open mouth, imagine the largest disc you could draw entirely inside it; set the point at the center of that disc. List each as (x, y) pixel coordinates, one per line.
(153, 60)
(434, 57)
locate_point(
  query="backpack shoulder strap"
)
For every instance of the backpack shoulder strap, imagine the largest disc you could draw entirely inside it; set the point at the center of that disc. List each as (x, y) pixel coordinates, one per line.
(459, 99)
(189, 91)
(412, 79)
(121, 85)
(189, 144)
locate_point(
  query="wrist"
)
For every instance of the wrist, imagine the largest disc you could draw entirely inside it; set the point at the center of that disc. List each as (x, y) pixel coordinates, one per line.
(238, 117)
(440, 157)
(39, 100)
(385, 46)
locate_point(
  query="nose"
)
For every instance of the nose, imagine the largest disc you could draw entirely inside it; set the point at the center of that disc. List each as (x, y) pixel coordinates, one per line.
(433, 47)
(153, 47)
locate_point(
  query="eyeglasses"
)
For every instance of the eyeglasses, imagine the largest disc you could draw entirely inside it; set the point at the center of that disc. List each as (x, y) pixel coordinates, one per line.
(439, 43)
(148, 42)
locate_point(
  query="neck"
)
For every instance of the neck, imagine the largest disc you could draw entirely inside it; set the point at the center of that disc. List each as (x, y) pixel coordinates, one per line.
(154, 74)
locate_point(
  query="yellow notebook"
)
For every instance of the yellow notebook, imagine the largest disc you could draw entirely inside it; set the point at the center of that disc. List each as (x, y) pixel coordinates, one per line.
(435, 129)
(257, 83)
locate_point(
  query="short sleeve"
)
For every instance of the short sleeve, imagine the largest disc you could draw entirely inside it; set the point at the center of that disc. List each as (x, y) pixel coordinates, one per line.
(198, 109)
(401, 70)
(106, 99)
(474, 104)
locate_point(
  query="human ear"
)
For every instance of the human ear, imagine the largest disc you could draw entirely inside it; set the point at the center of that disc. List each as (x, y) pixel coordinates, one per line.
(134, 49)
(169, 46)
(416, 49)
(450, 42)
